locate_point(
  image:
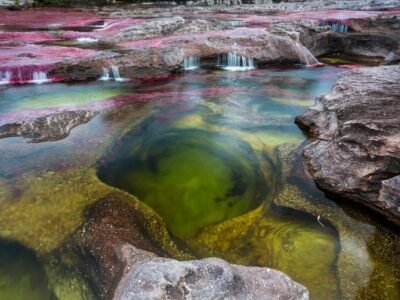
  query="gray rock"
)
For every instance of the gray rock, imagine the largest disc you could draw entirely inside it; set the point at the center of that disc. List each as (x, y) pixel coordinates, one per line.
(47, 128)
(148, 29)
(390, 193)
(152, 277)
(122, 259)
(356, 139)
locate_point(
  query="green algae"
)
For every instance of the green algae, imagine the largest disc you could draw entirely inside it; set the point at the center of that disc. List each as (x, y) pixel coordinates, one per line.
(187, 168)
(265, 238)
(45, 188)
(21, 274)
(58, 95)
(210, 177)
(368, 264)
(346, 60)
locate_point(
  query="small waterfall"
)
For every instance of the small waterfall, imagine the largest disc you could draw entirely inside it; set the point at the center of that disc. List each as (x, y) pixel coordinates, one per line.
(305, 55)
(234, 62)
(112, 73)
(5, 77)
(191, 63)
(115, 73)
(39, 77)
(24, 74)
(106, 75)
(335, 26)
(86, 40)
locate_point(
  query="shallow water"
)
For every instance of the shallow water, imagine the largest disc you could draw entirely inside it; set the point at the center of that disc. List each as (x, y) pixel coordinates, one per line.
(21, 275)
(206, 151)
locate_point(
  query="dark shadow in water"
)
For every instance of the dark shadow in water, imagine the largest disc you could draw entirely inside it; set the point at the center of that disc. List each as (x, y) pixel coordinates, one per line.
(21, 274)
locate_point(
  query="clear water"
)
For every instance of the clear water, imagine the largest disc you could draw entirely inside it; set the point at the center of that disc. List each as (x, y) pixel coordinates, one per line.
(205, 150)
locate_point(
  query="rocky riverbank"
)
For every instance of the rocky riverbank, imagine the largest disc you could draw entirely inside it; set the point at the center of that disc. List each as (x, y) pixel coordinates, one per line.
(355, 153)
(152, 43)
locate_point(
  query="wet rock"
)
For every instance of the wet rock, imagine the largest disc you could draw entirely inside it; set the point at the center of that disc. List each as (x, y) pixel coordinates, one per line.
(390, 192)
(159, 57)
(111, 222)
(122, 260)
(52, 127)
(151, 277)
(149, 29)
(356, 133)
(360, 43)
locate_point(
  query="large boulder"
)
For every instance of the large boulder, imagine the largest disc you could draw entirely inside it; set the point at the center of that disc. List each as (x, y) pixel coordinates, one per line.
(152, 277)
(355, 131)
(121, 259)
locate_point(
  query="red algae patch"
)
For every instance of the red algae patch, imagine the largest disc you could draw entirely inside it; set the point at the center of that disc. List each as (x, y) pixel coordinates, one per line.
(26, 37)
(195, 38)
(341, 15)
(111, 27)
(40, 55)
(23, 62)
(39, 18)
(163, 98)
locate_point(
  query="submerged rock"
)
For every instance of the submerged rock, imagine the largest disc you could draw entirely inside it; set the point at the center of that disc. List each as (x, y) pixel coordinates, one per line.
(121, 260)
(356, 132)
(52, 127)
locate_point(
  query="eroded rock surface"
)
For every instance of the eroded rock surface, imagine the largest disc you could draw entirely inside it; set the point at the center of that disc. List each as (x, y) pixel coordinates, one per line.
(122, 260)
(47, 128)
(151, 277)
(356, 132)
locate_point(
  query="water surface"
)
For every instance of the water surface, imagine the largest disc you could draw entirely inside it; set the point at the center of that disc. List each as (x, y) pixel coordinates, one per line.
(210, 151)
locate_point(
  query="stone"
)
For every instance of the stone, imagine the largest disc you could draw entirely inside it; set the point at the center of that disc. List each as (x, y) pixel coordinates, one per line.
(390, 193)
(121, 259)
(355, 134)
(151, 277)
(51, 127)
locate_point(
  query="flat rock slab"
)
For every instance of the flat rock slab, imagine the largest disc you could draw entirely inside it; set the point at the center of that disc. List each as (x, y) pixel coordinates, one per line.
(356, 132)
(52, 127)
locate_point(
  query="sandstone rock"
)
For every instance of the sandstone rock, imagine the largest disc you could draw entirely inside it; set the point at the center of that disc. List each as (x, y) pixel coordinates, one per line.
(390, 193)
(151, 277)
(149, 29)
(121, 260)
(47, 128)
(154, 58)
(356, 138)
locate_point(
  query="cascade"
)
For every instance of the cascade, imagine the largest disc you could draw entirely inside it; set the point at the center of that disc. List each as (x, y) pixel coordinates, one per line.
(112, 73)
(24, 74)
(335, 26)
(234, 62)
(39, 77)
(115, 73)
(191, 63)
(106, 75)
(305, 55)
(5, 77)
